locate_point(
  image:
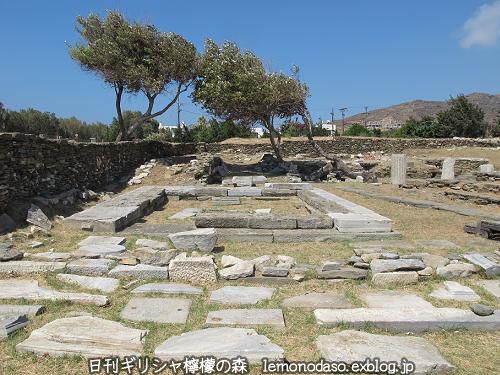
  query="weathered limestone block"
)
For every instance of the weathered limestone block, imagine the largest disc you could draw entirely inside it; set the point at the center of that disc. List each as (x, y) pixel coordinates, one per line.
(223, 342)
(88, 336)
(398, 169)
(196, 270)
(199, 239)
(140, 271)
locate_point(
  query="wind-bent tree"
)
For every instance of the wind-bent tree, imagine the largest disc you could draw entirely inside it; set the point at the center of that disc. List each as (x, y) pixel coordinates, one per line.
(136, 58)
(234, 85)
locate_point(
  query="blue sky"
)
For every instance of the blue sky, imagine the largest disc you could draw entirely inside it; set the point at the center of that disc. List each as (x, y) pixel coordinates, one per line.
(351, 53)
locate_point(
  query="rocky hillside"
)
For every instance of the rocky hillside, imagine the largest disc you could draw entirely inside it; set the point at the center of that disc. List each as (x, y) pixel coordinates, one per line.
(490, 104)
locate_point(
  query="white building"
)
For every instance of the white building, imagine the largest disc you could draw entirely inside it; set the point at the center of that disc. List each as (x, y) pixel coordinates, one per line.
(328, 125)
(259, 131)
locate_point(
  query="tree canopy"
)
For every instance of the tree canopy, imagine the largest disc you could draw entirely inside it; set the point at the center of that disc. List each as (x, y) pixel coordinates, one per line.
(136, 58)
(234, 85)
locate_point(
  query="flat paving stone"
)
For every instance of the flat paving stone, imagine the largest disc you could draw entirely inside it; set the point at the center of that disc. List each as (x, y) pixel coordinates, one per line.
(104, 284)
(158, 310)
(395, 300)
(233, 295)
(28, 310)
(89, 267)
(11, 323)
(88, 336)
(27, 266)
(153, 244)
(99, 251)
(312, 301)
(436, 244)
(168, 288)
(186, 213)
(223, 342)
(408, 320)
(355, 346)
(102, 240)
(140, 271)
(246, 317)
(492, 286)
(451, 290)
(50, 256)
(30, 290)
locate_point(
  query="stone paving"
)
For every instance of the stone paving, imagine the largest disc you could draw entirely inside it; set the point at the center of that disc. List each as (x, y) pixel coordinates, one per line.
(103, 263)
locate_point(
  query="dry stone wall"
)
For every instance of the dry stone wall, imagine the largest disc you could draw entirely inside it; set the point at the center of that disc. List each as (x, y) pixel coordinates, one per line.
(352, 145)
(33, 166)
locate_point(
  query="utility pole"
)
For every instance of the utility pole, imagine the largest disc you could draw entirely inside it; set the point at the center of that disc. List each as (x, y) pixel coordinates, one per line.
(332, 113)
(343, 110)
(366, 115)
(179, 104)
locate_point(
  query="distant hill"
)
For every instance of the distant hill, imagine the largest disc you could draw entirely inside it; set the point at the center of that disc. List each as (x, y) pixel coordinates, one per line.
(417, 109)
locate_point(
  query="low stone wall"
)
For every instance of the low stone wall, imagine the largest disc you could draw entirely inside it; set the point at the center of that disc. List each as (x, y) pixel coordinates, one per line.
(352, 145)
(33, 166)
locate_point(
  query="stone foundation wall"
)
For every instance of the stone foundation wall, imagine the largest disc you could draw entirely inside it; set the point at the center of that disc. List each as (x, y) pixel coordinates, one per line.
(32, 166)
(352, 145)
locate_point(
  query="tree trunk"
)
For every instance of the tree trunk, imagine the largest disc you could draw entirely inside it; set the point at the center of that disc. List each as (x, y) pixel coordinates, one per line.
(339, 163)
(118, 104)
(275, 145)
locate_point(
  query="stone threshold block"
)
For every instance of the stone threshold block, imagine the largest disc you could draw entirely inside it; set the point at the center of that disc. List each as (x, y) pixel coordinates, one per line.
(246, 317)
(232, 295)
(244, 235)
(158, 310)
(119, 212)
(26, 266)
(30, 290)
(347, 216)
(168, 288)
(11, 323)
(355, 346)
(224, 342)
(408, 320)
(88, 336)
(28, 310)
(103, 284)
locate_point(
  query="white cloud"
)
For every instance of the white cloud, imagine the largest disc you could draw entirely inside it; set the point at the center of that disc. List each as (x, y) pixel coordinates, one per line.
(483, 28)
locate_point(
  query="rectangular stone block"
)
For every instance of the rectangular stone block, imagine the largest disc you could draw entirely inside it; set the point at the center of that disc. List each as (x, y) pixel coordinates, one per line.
(103, 218)
(408, 320)
(267, 192)
(214, 191)
(489, 267)
(289, 185)
(314, 222)
(245, 235)
(244, 192)
(360, 223)
(272, 222)
(222, 220)
(244, 317)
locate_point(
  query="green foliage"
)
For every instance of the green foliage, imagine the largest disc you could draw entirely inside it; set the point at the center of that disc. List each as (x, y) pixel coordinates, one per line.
(135, 58)
(462, 119)
(427, 127)
(217, 131)
(129, 118)
(357, 130)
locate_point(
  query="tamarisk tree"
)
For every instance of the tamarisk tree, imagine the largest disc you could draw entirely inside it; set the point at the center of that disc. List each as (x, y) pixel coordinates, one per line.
(135, 58)
(234, 85)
